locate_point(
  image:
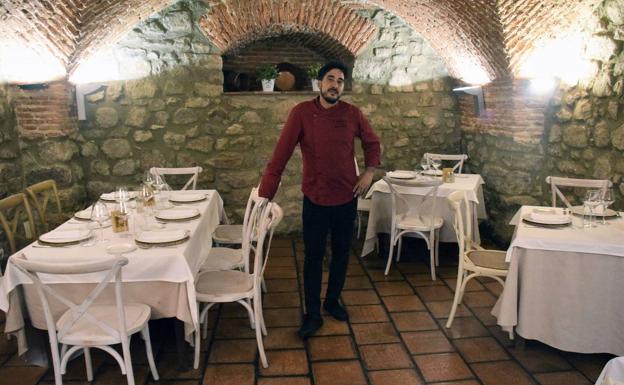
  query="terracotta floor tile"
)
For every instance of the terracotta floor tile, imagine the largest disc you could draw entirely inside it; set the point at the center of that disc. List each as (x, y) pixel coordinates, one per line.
(464, 327)
(27, 375)
(484, 314)
(285, 362)
(283, 381)
(235, 328)
(282, 338)
(446, 271)
(413, 321)
(537, 357)
(393, 288)
(465, 382)
(233, 351)
(229, 375)
(357, 282)
(413, 267)
(374, 333)
(288, 262)
(434, 293)
(281, 285)
(442, 309)
(331, 348)
(167, 365)
(423, 279)
(480, 349)
(7, 346)
(403, 303)
(479, 299)
(395, 377)
(360, 297)
(278, 300)
(589, 364)
(494, 287)
(367, 313)
(378, 275)
(385, 356)
(332, 326)
(501, 372)
(350, 373)
(427, 342)
(443, 367)
(562, 378)
(280, 273)
(355, 270)
(282, 317)
(276, 251)
(473, 285)
(233, 310)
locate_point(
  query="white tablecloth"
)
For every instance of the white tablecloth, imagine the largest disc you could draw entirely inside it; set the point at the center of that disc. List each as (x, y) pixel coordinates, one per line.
(565, 285)
(165, 264)
(612, 373)
(380, 215)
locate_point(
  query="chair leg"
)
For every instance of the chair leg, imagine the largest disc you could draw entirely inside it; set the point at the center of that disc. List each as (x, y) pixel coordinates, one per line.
(390, 254)
(432, 261)
(257, 315)
(252, 321)
(359, 220)
(88, 363)
(456, 298)
(398, 258)
(437, 247)
(264, 286)
(125, 347)
(56, 361)
(148, 349)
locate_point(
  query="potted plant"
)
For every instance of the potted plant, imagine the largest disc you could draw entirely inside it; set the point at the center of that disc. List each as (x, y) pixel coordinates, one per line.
(312, 73)
(267, 74)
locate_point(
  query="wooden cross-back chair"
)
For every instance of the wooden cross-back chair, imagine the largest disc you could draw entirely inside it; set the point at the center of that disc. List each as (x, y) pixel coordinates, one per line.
(40, 195)
(556, 182)
(192, 171)
(459, 160)
(14, 213)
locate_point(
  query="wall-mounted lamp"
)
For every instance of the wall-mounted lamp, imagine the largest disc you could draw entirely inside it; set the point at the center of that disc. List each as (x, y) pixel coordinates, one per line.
(81, 91)
(476, 91)
(33, 87)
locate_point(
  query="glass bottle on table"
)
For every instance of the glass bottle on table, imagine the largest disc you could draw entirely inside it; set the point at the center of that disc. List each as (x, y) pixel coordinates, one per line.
(120, 217)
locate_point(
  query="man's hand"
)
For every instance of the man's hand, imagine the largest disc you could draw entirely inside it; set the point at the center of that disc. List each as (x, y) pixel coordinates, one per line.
(364, 182)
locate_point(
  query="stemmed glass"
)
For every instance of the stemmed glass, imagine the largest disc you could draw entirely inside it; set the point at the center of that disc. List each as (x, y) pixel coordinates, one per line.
(99, 215)
(424, 163)
(592, 200)
(607, 200)
(148, 179)
(122, 195)
(436, 163)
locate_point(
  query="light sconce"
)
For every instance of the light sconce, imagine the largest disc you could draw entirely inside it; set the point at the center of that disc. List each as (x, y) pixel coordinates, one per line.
(33, 87)
(477, 92)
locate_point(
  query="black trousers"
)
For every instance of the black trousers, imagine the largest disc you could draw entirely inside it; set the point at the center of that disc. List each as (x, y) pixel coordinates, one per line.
(318, 221)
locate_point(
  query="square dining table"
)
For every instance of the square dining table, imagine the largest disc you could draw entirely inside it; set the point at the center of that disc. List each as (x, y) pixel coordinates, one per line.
(380, 215)
(161, 277)
(565, 284)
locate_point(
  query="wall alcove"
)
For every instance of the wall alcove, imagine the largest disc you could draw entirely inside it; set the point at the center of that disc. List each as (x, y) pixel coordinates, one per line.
(293, 53)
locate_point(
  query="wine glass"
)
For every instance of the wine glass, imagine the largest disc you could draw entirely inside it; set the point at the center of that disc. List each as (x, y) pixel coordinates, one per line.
(99, 215)
(159, 182)
(590, 202)
(148, 178)
(424, 164)
(607, 200)
(436, 163)
(122, 194)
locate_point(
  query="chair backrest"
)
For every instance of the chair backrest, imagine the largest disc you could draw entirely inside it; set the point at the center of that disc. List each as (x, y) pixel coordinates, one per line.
(40, 195)
(193, 171)
(426, 209)
(110, 265)
(458, 158)
(12, 211)
(461, 208)
(557, 181)
(264, 219)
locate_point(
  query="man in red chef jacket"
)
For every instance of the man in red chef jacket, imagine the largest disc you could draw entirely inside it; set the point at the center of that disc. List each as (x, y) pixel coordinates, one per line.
(325, 129)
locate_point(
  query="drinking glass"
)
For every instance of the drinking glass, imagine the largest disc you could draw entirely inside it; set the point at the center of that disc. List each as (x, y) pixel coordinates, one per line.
(436, 163)
(591, 201)
(424, 163)
(607, 200)
(99, 215)
(148, 178)
(122, 194)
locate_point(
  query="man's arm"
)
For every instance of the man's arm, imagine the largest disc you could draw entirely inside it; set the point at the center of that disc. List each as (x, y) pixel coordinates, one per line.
(372, 154)
(290, 136)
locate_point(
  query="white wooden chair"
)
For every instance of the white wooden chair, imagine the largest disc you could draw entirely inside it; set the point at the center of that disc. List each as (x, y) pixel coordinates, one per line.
(419, 220)
(192, 171)
(89, 324)
(474, 261)
(40, 195)
(363, 204)
(556, 182)
(212, 287)
(227, 234)
(458, 158)
(17, 221)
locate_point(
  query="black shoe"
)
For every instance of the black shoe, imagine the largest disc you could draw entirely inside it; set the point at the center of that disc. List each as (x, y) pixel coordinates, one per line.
(337, 311)
(310, 325)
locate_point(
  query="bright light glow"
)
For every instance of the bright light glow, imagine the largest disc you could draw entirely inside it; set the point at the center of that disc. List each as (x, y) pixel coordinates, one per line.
(542, 85)
(21, 64)
(470, 71)
(563, 57)
(98, 68)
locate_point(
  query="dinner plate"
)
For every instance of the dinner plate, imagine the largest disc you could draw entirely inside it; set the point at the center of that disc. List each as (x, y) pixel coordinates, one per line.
(556, 220)
(120, 248)
(112, 196)
(401, 174)
(65, 236)
(178, 215)
(84, 215)
(162, 236)
(433, 172)
(608, 213)
(187, 198)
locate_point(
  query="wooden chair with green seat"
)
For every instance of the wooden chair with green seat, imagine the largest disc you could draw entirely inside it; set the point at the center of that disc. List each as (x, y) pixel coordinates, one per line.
(14, 213)
(40, 194)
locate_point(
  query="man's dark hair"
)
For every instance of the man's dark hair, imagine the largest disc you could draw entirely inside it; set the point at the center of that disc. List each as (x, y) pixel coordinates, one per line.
(330, 66)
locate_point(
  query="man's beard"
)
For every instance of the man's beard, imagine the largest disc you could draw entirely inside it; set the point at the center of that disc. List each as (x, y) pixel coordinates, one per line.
(330, 99)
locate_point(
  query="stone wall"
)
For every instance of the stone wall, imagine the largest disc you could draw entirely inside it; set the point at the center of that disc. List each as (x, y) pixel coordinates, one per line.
(10, 160)
(178, 115)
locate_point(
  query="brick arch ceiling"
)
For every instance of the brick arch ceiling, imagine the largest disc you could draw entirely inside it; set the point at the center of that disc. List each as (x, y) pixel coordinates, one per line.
(235, 23)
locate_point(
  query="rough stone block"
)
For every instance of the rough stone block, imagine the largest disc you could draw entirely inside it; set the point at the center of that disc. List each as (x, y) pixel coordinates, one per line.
(116, 148)
(106, 117)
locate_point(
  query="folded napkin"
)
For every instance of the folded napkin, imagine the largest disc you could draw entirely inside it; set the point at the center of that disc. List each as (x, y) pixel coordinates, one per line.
(111, 196)
(181, 197)
(84, 214)
(161, 236)
(548, 216)
(401, 174)
(62, 236)
(178, 214)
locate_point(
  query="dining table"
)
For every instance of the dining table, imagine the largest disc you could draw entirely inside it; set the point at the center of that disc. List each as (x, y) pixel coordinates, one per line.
(380, 214)
(160, 275)
(565, 282)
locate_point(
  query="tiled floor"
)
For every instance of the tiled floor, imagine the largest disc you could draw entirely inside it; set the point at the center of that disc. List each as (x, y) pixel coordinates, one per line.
(396, 336)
